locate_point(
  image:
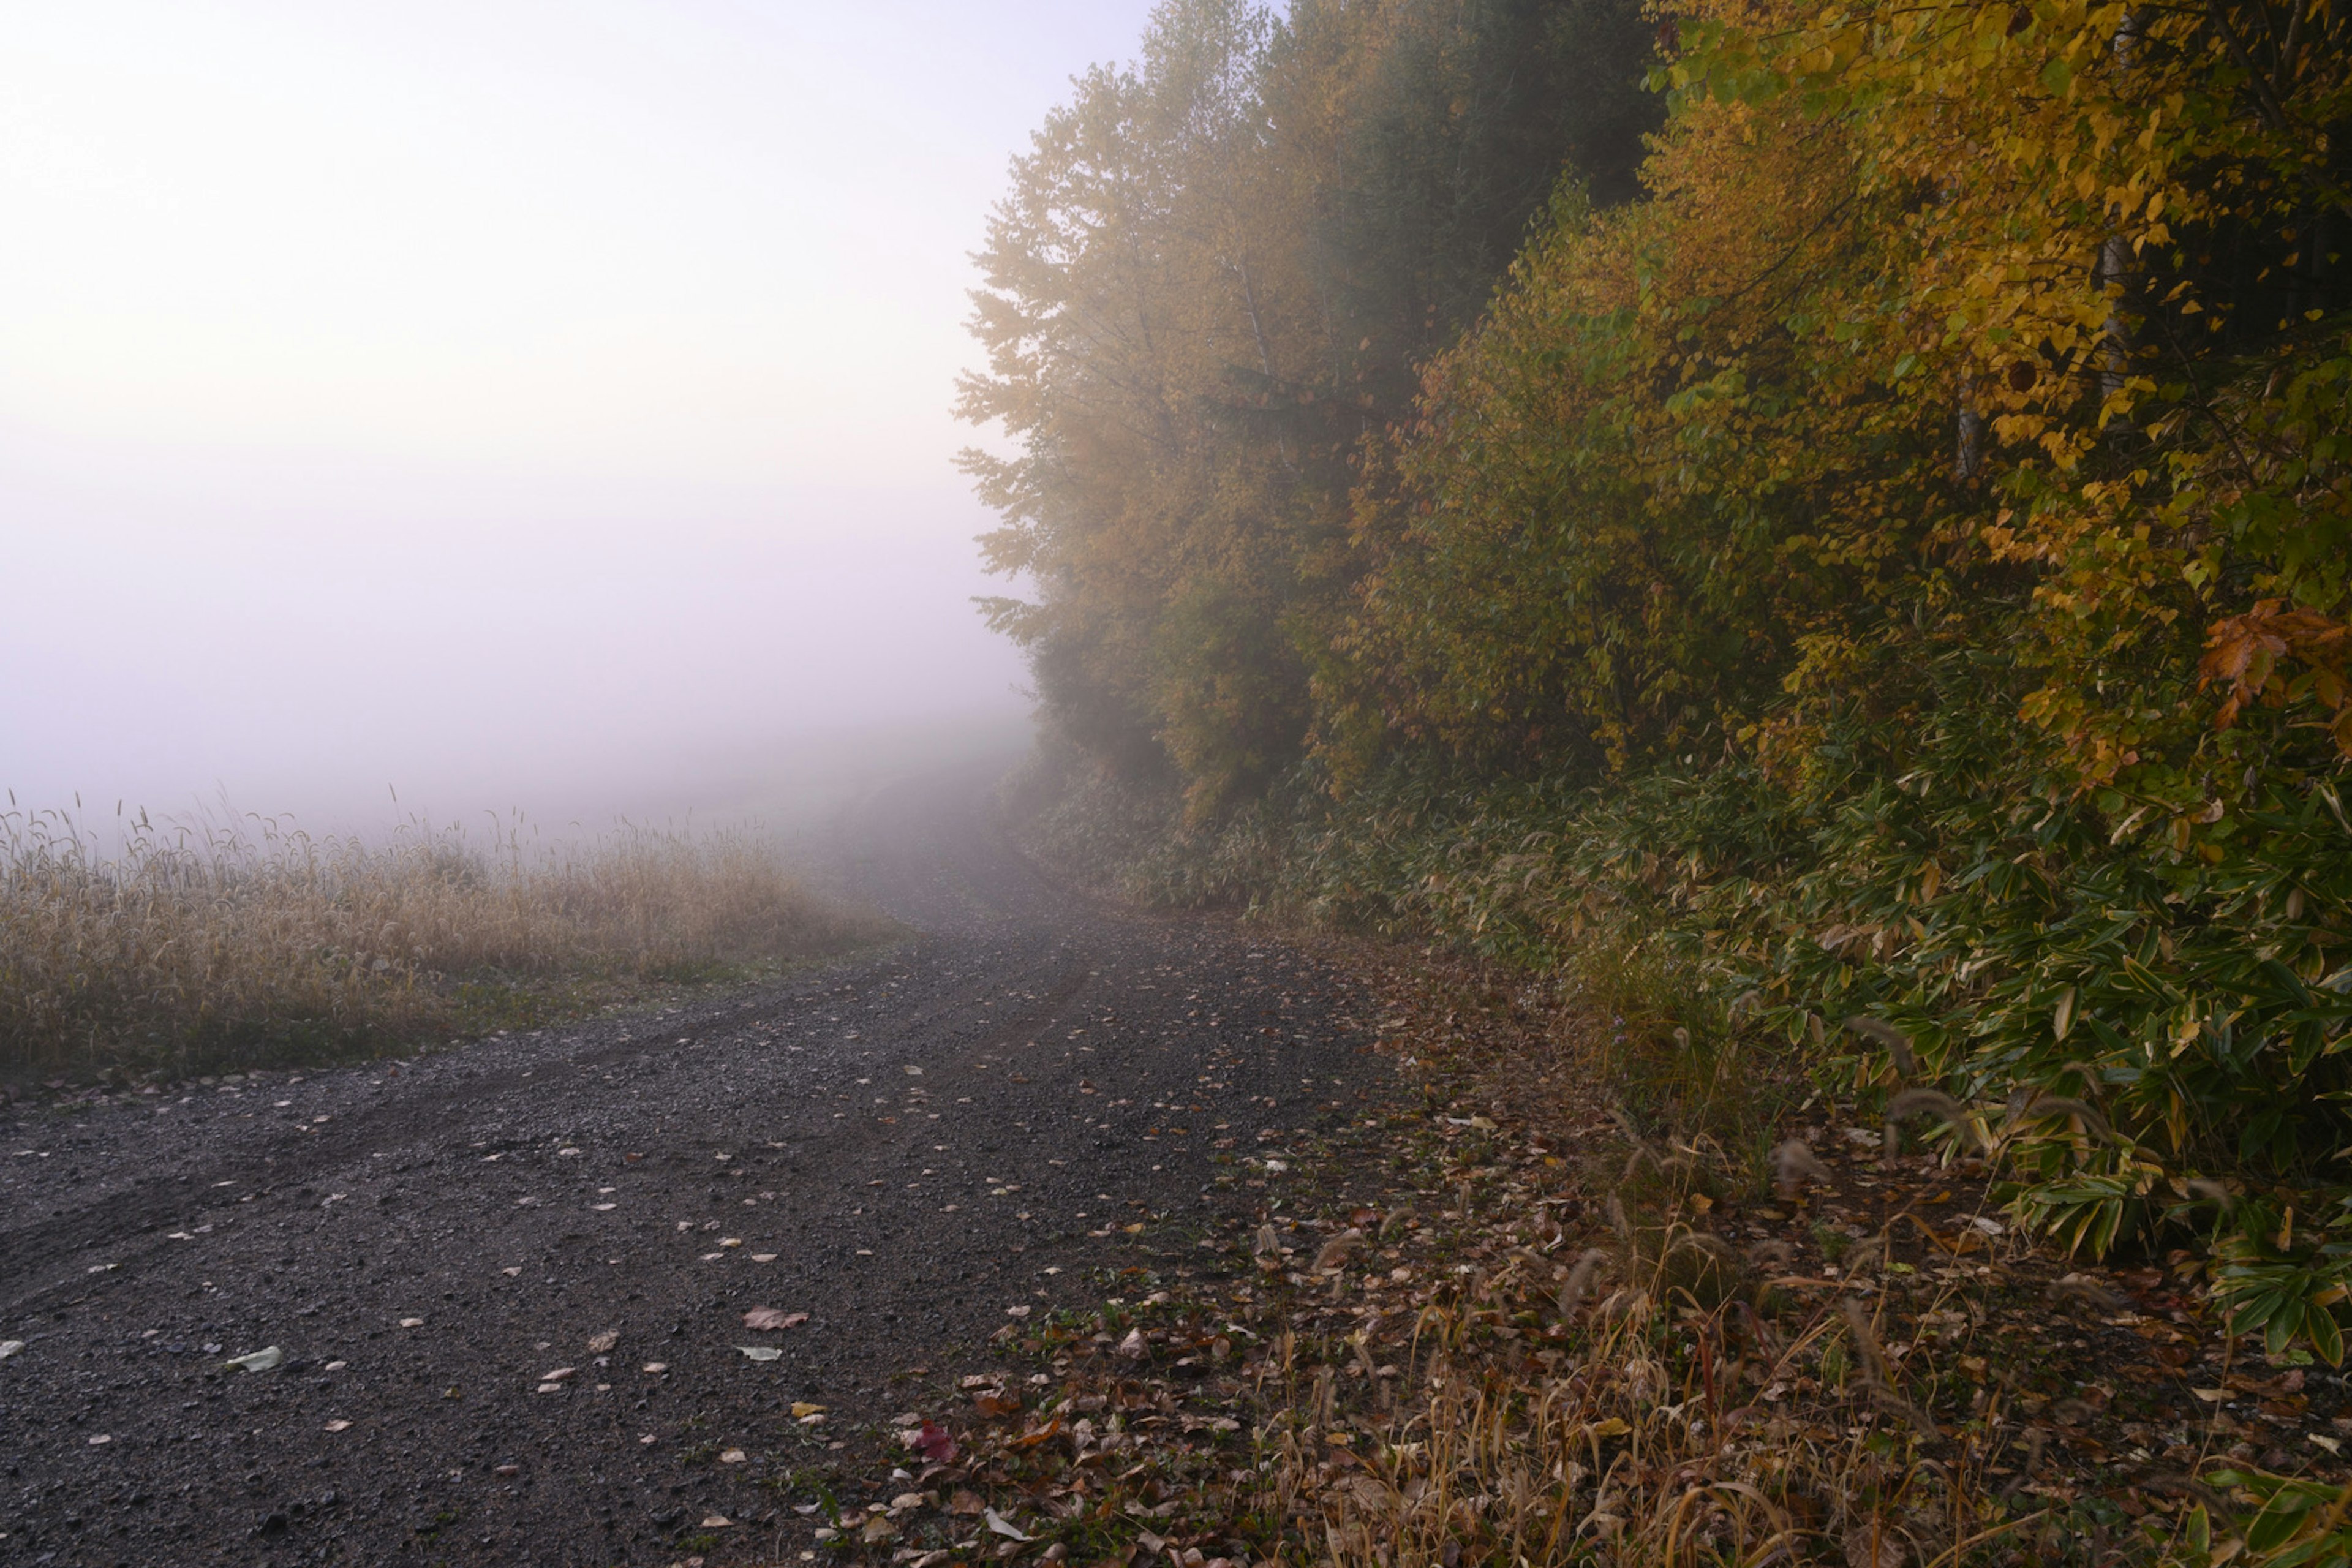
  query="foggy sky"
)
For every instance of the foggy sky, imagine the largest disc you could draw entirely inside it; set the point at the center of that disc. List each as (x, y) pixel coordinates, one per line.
(538, 404)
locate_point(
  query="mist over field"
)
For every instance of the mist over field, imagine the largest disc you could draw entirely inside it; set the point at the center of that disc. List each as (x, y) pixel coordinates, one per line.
(1607, 738)
(515, 408)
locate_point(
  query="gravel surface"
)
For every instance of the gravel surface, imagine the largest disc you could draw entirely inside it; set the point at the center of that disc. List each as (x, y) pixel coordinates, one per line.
(508, 1282)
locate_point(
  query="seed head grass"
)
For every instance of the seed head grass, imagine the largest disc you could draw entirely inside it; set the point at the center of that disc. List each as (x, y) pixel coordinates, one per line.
(204, 944)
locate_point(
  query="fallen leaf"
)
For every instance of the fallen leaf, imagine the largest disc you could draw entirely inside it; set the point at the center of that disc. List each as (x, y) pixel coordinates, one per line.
(1004, 1526)
(802, 1410)
(1134, 1347)
(1031, 1439)
(561, 1374)
(733, 1457)
(101, 1438)
(1614, 1426)
(1016, 1312)
(656, 1367)
(606, 1342)
(771, 1318)
(763, 1257)
(761, 1352)
(967, 1503)
(877, 1530)
(996, 1401)
(933, 1442)
(338, 1425)
(717, 1522)
(414, 1322)
(261, 1360)
(9, 1348)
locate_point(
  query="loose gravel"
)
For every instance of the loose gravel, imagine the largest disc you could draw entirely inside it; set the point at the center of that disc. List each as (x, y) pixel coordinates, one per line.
(506, 1283)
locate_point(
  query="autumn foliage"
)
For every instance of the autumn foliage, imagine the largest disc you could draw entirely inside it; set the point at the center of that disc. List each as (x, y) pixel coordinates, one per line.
(1901, 557)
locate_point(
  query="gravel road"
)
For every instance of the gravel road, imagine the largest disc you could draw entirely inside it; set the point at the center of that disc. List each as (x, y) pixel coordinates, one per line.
(508, 1281)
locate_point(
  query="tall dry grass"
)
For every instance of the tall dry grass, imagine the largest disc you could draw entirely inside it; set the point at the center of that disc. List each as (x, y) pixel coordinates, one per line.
(200, 942)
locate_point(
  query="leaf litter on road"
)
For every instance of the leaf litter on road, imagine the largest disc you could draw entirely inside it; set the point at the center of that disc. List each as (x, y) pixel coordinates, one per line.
(773, 1318)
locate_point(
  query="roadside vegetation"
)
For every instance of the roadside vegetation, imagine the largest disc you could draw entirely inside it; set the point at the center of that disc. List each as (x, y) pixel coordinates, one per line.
(199, 946)
(1501, 1325)
(1879, 553)
(1856, 586)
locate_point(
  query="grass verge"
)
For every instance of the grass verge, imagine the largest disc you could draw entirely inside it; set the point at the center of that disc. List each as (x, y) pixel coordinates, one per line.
(1516, 1324)
(199, 947)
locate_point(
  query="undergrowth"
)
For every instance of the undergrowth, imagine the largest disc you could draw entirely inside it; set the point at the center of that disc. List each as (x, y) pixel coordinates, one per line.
(2144, 1010)
(1516, 1325)
(198, 945)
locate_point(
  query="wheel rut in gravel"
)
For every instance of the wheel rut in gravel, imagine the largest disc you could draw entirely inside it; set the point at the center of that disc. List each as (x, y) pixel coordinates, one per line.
(906, 1147)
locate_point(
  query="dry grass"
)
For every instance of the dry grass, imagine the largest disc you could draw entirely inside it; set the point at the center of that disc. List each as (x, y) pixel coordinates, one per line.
(1672, 1422)
(1651, 1357)
(1522, 1329)
(198, 944)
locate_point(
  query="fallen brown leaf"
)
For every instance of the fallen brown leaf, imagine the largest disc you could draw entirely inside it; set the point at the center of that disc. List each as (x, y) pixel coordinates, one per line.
(771, 1318)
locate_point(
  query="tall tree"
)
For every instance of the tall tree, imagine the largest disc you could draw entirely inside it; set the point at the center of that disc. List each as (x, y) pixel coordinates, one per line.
(1212, 280)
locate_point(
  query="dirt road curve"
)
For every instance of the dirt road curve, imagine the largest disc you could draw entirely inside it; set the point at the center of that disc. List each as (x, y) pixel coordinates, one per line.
(901, 1147)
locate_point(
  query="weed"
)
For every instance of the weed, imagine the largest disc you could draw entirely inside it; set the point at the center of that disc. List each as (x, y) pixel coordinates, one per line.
(200, 946)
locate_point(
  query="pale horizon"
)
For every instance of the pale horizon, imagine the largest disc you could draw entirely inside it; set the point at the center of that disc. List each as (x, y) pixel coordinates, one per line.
(509, 406)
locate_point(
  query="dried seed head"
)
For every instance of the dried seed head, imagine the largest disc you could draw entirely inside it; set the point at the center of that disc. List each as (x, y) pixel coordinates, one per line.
(1700, 1241)
(1876, 1371)
(1887, 1399)
(1334, 1251)
(1936, 1102)
(1868, 1253)
(2212, 1191)
(2044, 1106)
(1794, 1164)
(1579, 1281)
(1897, 1043)
(2083, 1288)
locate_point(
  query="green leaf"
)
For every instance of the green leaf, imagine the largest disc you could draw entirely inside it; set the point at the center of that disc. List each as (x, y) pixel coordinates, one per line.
(2326, 1336)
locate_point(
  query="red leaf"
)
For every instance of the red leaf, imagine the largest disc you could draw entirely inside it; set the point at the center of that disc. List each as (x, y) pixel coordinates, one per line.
(934, 1442)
